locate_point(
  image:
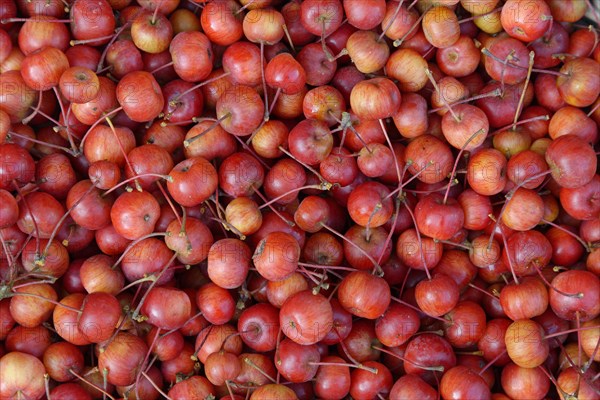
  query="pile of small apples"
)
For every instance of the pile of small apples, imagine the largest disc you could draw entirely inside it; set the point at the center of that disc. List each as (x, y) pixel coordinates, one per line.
(269, 199)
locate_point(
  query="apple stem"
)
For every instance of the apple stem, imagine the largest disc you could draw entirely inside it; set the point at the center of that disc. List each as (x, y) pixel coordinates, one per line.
(256, 367)
(404, 281)
(157, 69)
(81, 378)
(215, 213)
(389, 143)
(583, 328)
(391, 21)
(328, 54)
(68, 131)
(95, 124)
(334, 364)
(114, 38)
(578, 238)
(93, 40)
(439, 92)
(53, 21)
(155, 14)
(46, 386)
(455, 244)
(136, 312)
(60, 104)
(137, 282)
(398, 42)
(274, 200)
(346, 122)
(357, 247)
(563, 394)
(264, 81)
(510, 264)
(506, 63)
(9, 256)
(171, 205)
(593, 110)
(391, 232)
(524, 90)
(189, 141)
(289, 38)
(469, 353)
(264, 199)
(508, 196)
(43, 114)
(180, 123)
(576, 366)
(495, 10)
(199, 348)
(133, 243)
(590, 6)
(412, 216)
(324, 182)
(244, 7)
(134, 178)
(596, 38)
(399, 189)
(158, 389)
(491, 362)
(275, 98)
(37, 110)
(593, 356)
(251, 151)
(141, 366)
(458, 157)
(438, 368)
(493, 93)
(60, 222)
(37, 296)
(29, 139)
(368, 226)
(343, 346)
(31, 283)
(417, 309)
(471, 285)
(312, 274)
(229, 227)
(522, 122)
(334, 267)
(572, 295)
(28, 209)
(175, 99)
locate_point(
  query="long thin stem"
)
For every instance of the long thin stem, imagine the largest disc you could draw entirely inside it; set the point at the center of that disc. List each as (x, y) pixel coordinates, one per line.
(81, 378)
(524, 91)
(438, 368)
(189, 141)
(95, 124)
(458, 157)
(398, 42)
(274, 200)
(391, 21)
(491, 362)
(439, 92)
(357, 247)
(130, 246)
(37, 296)
(136, 312)
(493, 93)
(134, 178)
(158, 389)
(418, 310)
